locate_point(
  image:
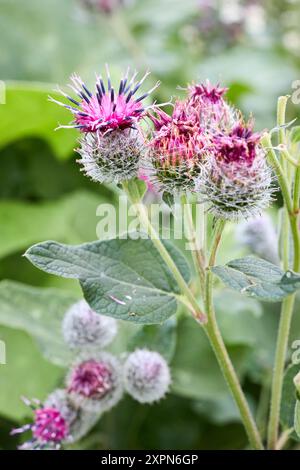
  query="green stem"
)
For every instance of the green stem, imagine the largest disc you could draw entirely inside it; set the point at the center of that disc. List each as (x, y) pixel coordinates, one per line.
(292, 209)
(216, 340)
(282, 179)
(280, 356)
(197, 251)
(218, 230)
(296, 195)
(281, 111)
(134, 197)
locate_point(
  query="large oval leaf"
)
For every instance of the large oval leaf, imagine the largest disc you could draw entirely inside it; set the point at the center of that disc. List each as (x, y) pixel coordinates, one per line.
(125, 279)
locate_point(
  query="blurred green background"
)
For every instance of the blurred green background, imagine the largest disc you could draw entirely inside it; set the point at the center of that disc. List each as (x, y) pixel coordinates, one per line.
(253, 47)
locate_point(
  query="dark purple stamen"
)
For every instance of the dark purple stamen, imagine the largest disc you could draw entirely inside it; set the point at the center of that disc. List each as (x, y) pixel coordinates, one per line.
(142, 97)
(87, 90)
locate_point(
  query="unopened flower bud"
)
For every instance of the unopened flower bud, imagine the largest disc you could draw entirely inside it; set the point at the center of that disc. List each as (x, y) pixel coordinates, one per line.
(146, 376)
(84, 328)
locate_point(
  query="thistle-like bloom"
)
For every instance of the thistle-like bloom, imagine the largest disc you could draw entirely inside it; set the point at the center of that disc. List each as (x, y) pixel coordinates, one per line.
(50, 427)
(175, 150)
(259, 236)
(84, 328)
(112, 144)
(146, 376)
(236, 180)
(180, 143)
(94, 382)
(106, 109)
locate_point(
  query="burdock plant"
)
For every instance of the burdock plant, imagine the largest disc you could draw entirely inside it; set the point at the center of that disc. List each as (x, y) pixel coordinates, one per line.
(202, 149)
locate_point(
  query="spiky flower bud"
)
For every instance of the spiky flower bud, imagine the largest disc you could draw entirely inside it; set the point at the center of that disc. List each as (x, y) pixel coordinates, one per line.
(94, 383)
(236, 180)
(84, 328)
(146, 376)
(174, 152)
(112, 144)
(259, 236)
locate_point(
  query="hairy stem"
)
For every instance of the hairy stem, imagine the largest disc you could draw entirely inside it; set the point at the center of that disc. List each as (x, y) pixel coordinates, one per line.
(197, 251)
(292, 209)
(279, 363)
(214, 335)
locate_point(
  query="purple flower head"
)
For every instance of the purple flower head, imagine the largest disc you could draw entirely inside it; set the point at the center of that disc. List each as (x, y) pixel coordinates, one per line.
(213, 111)
(49, 425)
(91, 379)
(94, 382)
(49, 428)
(106, 109)
(239, 146)
(206, 93)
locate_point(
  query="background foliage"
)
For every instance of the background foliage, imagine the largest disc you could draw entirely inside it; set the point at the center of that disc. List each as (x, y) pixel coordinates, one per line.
(253, 49)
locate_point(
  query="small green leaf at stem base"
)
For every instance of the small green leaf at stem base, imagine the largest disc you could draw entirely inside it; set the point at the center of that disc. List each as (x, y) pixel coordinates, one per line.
(258, 278)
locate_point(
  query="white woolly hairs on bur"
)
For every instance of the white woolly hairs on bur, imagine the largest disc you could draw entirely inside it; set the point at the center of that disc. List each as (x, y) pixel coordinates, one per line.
(146, 376)
(84, 328)
(236, 192)
(113, 157)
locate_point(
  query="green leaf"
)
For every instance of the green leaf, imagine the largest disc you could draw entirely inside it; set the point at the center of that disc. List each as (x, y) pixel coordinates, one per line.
(160, 338)
(288, 400)
(125, 279)
(26, 373)
(71, 219)
(297, 419)
(258, 278)
(28, 112)
(38, 312)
